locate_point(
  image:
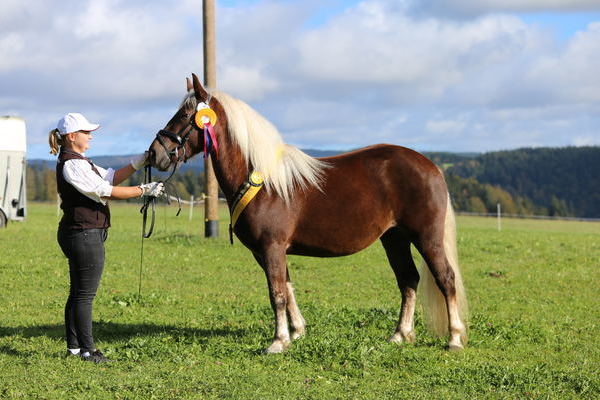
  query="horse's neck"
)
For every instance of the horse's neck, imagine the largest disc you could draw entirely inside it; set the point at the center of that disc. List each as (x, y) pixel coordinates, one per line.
(229, 164)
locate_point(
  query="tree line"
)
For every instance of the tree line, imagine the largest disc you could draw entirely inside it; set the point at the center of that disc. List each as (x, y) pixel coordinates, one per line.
(470, 195)
(559, 181)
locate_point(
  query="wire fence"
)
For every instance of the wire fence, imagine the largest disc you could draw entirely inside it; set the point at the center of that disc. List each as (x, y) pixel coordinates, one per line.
(521, 216)
(193, 200)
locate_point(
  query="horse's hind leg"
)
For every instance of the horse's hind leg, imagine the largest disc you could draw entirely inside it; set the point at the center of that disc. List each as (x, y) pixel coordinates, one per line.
(273, 263)
(435, 257)
(297, 323)
(398, 252)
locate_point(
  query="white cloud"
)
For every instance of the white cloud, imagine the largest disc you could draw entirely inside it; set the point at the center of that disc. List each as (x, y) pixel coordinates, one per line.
(573, 74)
(413, 60)
(445, 126)
(469, 8)
(252, 84)
(374, 72)
(10, 46)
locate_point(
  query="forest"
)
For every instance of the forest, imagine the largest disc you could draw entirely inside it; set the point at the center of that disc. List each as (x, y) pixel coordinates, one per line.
(546, 181)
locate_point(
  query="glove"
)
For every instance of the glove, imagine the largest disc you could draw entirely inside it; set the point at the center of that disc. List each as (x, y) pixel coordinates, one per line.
(140, 161)
(153, 189)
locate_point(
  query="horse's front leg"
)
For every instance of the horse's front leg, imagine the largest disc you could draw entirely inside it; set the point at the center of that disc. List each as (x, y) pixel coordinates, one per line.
(297, 322)
(274, 264)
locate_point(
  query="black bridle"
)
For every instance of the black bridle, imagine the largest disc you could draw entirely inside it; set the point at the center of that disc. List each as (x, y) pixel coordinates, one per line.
(180, 138)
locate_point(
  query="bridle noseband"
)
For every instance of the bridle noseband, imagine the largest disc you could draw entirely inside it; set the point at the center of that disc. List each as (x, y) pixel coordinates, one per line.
(180, 138)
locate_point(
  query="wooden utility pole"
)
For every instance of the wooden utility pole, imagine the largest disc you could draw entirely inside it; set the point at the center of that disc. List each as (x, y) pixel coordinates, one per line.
(211, 204)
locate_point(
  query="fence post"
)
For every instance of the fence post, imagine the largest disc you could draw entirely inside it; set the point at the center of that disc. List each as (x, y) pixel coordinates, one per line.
(499, 218)
(191, 206)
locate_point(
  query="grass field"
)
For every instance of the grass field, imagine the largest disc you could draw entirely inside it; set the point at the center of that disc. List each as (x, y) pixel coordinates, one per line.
(204, 317)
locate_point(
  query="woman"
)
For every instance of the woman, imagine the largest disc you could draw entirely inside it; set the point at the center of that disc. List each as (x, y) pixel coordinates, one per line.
(84, 189)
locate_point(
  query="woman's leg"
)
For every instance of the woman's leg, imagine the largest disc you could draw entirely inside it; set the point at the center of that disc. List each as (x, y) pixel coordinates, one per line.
(85, 250)
(65, 240)
(71, 331)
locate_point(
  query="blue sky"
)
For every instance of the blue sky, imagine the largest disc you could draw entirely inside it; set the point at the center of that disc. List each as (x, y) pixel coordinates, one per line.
(565, 24)
(433, 75)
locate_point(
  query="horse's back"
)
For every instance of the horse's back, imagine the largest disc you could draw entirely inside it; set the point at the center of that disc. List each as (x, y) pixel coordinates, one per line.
(396, 171)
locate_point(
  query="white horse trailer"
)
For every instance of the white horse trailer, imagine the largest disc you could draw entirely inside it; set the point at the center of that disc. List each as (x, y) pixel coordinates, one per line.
(13, 166)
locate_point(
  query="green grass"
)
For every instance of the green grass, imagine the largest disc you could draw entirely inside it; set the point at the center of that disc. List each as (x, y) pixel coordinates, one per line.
(204, 317)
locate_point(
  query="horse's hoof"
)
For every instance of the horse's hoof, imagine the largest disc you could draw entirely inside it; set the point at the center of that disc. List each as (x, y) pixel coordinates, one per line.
(455, 347)
(297, 334)
(277, 347)
(396, 338)
(399, 338)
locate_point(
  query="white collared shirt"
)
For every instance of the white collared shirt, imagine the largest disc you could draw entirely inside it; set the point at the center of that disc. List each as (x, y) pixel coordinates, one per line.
(79, 173)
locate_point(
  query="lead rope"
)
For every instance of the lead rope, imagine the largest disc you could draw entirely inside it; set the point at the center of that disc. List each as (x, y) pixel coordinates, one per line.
(144, 211)
(141, 263)
(151, 200)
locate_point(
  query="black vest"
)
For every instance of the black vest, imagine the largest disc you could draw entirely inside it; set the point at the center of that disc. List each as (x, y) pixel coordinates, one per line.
(80, 212)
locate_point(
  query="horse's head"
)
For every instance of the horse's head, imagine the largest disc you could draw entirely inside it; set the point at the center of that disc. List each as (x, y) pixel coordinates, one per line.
(181, 138)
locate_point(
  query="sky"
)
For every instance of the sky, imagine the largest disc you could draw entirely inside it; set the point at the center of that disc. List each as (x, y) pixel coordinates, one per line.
(432, 75)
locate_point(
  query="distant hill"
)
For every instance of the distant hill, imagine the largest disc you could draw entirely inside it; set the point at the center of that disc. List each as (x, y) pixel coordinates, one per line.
(563, 180)
(197, 162)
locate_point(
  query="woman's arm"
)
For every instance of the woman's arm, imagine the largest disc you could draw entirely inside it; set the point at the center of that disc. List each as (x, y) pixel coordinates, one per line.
(124, 192)
(122, 174)
(152, 189)
(135, 164)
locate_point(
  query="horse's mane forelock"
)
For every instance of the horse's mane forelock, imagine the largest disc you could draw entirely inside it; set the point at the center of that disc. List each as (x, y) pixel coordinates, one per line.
(284, 167)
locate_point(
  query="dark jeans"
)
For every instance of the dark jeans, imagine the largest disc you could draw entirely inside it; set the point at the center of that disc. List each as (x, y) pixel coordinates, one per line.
(85, 251)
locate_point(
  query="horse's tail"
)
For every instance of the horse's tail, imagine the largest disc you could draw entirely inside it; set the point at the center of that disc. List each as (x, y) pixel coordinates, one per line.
(434, 304)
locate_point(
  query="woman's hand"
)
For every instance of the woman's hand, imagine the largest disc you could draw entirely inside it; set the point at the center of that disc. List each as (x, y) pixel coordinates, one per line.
(153, 189)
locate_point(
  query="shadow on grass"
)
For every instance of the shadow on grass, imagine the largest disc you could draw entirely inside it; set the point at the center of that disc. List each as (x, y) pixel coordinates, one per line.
(110, 331)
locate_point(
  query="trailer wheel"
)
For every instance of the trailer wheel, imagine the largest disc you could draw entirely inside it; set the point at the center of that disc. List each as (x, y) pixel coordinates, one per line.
(3, 220)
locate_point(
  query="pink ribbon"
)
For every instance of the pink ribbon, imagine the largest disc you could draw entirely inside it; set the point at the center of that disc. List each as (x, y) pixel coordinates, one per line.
(210, 138)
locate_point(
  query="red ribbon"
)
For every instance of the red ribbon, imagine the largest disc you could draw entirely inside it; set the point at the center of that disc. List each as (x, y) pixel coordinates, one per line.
(210, 139)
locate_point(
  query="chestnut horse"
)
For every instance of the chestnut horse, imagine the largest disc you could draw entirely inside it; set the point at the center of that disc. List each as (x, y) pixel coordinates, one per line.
(327, 207)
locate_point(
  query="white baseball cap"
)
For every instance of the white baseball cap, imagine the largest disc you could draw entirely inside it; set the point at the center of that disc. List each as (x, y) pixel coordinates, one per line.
(73, 122)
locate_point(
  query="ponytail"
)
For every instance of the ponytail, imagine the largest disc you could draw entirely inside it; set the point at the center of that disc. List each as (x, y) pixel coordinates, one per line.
(55, 141)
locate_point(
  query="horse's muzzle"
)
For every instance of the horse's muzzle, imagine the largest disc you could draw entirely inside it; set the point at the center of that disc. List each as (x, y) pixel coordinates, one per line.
(159, 159)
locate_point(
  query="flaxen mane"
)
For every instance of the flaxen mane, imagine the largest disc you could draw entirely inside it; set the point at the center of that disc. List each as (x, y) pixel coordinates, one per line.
(284, 167)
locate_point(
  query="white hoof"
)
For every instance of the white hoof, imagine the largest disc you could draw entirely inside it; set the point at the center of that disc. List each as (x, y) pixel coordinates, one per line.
(277, 346)
(455, 346)
(400, 338)
(298, 333)
(396, 338)
(456, 342)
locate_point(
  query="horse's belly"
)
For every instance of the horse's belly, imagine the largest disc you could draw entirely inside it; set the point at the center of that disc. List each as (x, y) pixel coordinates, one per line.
(324, 239)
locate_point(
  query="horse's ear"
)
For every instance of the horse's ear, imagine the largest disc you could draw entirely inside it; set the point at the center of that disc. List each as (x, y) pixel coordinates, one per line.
(201, 94)
(190, 86)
